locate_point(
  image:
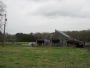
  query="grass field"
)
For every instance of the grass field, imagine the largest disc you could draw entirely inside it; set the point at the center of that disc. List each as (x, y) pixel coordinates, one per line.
(43, 57)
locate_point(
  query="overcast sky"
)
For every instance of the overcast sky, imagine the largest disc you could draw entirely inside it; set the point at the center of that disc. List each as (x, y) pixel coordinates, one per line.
(47, 15)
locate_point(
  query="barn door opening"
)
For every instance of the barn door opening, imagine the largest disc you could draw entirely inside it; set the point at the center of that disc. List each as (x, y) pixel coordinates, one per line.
(40, 42)
(55, 41)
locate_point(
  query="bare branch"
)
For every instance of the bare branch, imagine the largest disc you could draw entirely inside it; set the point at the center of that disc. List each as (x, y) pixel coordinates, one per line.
(2, 12)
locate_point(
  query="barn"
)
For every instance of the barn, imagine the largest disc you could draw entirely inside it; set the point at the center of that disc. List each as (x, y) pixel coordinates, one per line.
(59, 39)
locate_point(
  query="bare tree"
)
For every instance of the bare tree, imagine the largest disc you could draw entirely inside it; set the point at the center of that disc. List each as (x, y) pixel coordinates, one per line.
(2, 20)
(2, 12)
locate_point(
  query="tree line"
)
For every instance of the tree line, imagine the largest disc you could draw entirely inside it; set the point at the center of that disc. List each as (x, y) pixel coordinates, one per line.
(32, 37)
(83, 35)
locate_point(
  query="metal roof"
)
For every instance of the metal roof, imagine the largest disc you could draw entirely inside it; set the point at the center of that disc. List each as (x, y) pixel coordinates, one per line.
(64, 34)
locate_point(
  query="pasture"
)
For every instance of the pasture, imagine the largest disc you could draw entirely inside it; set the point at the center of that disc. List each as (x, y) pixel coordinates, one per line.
(22, 56)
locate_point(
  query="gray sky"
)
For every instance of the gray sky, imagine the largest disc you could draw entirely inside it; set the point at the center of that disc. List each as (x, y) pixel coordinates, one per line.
(47, 15)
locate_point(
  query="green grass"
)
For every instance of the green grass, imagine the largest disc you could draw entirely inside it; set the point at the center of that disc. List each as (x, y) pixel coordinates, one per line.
(43, 57)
